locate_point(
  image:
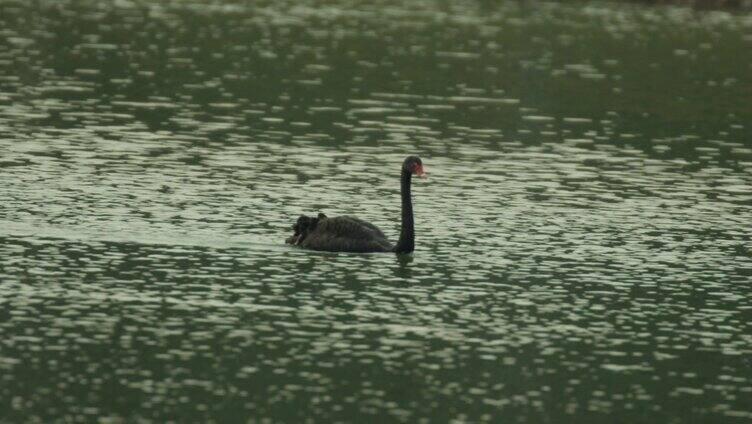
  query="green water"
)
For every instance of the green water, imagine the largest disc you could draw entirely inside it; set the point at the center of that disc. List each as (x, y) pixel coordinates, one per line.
(583, 241)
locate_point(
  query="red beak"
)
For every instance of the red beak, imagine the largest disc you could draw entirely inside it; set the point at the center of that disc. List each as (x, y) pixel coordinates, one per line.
(419, 171)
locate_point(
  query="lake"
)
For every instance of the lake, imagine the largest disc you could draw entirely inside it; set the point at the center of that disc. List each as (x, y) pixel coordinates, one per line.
(583, 249)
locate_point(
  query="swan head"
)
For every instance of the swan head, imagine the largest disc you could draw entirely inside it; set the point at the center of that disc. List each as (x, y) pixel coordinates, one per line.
(414, 165)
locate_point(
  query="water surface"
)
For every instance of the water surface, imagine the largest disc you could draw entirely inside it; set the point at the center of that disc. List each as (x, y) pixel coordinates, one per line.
(583, 247)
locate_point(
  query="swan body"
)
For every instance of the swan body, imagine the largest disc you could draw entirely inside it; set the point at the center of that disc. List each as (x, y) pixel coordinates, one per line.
(347, 234)
(350, 234)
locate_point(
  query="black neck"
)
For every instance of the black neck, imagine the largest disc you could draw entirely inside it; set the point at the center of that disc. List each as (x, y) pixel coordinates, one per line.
(406, 243)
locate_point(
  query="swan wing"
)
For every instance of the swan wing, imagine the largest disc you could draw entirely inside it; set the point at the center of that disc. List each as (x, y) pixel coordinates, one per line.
(346, 234)
(350, 227)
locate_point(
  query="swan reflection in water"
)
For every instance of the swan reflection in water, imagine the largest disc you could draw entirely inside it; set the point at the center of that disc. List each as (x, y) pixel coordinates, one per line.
(350, 234)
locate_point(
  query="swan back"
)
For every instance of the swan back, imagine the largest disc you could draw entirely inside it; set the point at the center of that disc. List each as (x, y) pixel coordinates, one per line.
(346, 234)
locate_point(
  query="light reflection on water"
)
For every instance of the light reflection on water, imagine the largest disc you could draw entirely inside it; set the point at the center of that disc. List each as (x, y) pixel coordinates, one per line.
(583, 245)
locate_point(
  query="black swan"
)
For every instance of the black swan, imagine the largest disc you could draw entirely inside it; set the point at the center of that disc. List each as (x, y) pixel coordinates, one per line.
(349, 234)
